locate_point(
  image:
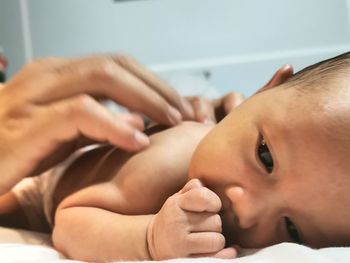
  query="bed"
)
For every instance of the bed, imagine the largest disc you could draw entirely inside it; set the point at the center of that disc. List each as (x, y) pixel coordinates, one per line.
(26, 246)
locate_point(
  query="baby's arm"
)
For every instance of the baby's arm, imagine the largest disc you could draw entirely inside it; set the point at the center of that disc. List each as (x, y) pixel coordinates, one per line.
(188, 225)
(108, 221)
(95, 234)
(104, 222)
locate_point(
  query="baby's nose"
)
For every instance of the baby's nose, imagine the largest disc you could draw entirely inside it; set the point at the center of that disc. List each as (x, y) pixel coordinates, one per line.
(247, 209)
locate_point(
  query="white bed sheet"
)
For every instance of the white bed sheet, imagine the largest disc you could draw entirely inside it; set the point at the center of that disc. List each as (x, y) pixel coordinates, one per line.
(25, 246)
(285, 252)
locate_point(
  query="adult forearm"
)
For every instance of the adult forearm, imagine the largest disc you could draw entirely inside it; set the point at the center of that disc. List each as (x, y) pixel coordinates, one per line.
(93, 234)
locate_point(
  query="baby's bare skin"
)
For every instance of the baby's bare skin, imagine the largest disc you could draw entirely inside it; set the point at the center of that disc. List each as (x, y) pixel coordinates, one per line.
(166, 162)
(109, 180)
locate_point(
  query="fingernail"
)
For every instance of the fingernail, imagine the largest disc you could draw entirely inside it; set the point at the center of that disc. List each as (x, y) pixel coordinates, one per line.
(141, 140)
(174, 116)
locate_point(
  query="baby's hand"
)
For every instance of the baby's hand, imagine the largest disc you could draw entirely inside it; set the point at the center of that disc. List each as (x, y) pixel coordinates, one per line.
(188, 225)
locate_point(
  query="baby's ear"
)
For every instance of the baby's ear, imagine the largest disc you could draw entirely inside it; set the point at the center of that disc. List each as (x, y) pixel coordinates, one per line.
(278, 78)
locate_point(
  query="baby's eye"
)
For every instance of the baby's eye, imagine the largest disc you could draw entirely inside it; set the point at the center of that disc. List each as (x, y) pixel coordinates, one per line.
(265, 156)
(292, 231)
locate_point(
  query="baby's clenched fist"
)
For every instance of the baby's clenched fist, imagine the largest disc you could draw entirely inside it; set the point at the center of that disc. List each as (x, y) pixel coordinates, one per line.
(188, 225)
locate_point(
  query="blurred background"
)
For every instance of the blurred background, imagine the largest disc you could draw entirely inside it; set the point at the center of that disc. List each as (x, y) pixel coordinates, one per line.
(229, 44)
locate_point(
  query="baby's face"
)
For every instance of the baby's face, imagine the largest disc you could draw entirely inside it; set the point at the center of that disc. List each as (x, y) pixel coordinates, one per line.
(277, 174)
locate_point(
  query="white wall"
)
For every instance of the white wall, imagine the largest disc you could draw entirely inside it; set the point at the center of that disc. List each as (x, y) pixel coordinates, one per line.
(167, 30)
(240, 42)
(11, 37)
(1, 24)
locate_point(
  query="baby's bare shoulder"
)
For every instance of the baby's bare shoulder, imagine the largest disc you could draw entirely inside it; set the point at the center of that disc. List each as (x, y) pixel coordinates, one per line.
(151, 176)
(140, 183)
(187, 131)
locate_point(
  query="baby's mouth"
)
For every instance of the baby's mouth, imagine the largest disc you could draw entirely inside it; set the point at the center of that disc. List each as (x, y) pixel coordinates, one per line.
(229, 225)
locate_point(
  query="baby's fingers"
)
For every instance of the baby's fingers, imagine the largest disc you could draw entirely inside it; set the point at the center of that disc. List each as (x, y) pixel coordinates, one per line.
(205, 242)
(204, 222)
(191, 184)
(226, 253)
(200, 199)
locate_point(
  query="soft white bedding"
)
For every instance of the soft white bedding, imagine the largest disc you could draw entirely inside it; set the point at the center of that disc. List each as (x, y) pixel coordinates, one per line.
(26, 246)
(285, 252)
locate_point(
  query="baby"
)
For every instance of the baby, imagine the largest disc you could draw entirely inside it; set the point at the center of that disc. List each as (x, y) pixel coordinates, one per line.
(274, 170)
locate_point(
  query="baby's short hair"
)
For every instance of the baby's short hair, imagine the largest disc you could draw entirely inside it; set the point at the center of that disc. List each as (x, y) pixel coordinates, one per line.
(322, 76)
(326, 87)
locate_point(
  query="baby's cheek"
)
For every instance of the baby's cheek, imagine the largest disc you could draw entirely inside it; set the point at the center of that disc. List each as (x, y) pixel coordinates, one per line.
(209, 162)
(195, 167)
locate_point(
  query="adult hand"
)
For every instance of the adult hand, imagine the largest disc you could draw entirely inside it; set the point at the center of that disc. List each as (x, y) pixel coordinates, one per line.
(50, 107)
(188, 225)
(213, 111)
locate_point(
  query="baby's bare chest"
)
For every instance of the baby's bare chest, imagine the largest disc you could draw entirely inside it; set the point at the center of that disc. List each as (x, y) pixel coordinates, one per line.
(142, 181)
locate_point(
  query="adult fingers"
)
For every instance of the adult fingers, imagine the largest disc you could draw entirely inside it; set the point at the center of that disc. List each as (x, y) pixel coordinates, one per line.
(199, 200)
(231, 101)
(133, 119)
(156, 83)
(204, 222)
(205, 242)
(203, 109)
(82, 115)
(226, 104)
(102, 76)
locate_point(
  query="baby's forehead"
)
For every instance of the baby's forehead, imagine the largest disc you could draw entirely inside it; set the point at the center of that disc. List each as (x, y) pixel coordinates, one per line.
(319, 110)
(321, 137)
(320, 125)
